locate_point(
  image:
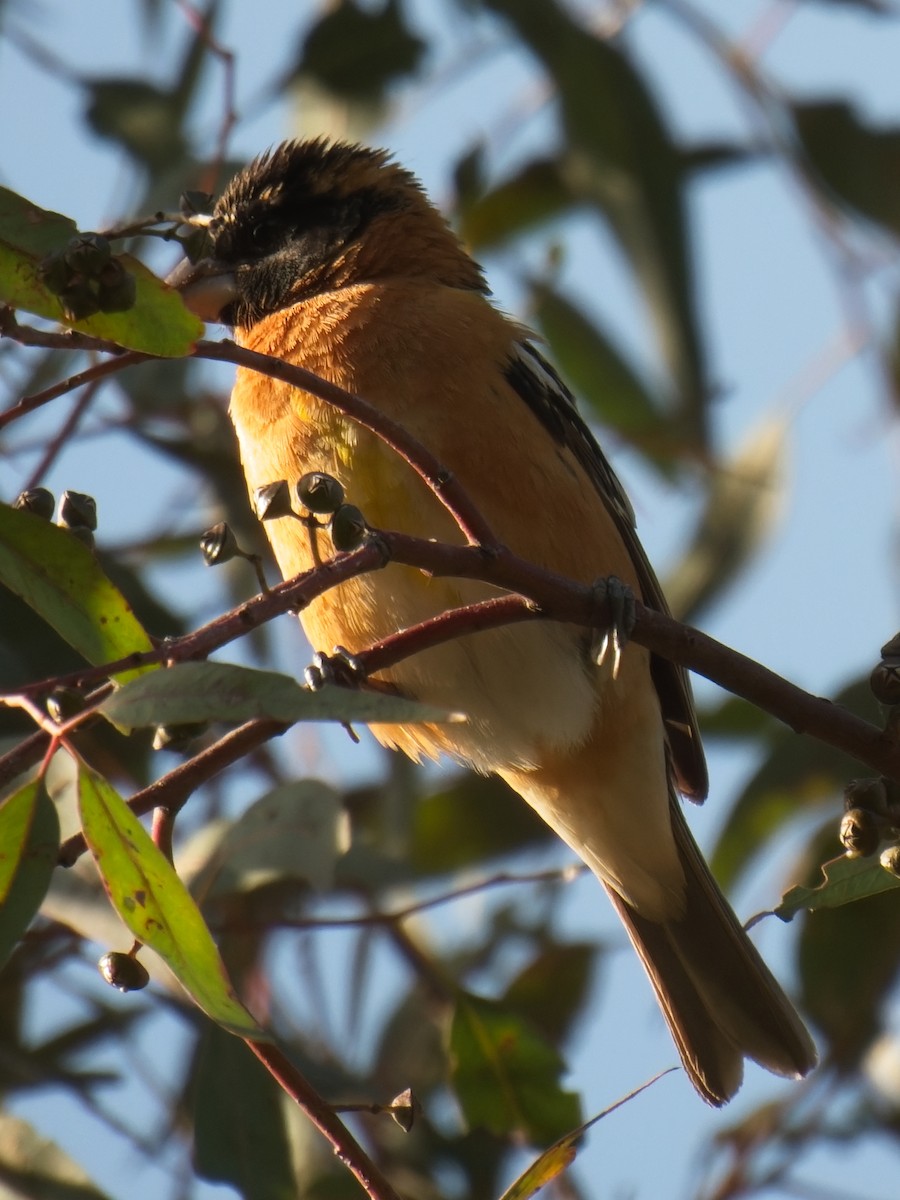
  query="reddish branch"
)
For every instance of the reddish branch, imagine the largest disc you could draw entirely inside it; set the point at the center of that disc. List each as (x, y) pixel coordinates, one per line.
(323, 1116)
(532, 593)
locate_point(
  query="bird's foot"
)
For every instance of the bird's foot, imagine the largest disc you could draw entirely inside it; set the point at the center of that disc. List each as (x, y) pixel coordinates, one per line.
(340, 668)
(608, 642)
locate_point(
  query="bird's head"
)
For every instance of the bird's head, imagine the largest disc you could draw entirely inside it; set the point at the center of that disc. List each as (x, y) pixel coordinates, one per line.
(313, 216)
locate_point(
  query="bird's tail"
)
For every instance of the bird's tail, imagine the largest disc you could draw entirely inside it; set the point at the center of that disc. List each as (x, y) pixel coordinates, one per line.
(719, 998)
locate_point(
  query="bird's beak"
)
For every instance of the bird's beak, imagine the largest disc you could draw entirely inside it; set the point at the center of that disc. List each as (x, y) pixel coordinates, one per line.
(207, 287)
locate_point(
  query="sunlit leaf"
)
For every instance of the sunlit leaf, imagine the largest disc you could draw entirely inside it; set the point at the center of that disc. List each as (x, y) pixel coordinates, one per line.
(193, 692)
(741, 510)
(844, 880)
(29, 845)
(239, 1128)
(505, 1076)
(562, 1153)
(157, 323)
(59, 577)
(155, 905)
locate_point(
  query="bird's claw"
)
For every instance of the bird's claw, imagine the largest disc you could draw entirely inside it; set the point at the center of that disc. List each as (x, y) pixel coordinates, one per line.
(340, 668)
(611, 640)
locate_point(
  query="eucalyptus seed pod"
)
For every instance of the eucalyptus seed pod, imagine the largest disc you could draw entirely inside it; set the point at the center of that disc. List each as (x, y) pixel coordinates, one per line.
(320, 493)
(348, 528)
(405, 1108)
(219, 545)
(885, 681)
(273, 500)
(87, 253)
(860, 833)
(63, 703)
(77, 510)
(82, 533)
(872, 794)
(37, 500)
(177, 737)
(123, 971)
(890, 860)
(116, 287)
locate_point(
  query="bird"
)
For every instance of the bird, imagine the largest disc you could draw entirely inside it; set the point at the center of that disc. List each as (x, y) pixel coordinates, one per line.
(329, 255)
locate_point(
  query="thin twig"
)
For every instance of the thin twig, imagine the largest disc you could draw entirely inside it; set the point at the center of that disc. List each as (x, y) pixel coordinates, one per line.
(323, 1116)
(174, 789)
(441, 481)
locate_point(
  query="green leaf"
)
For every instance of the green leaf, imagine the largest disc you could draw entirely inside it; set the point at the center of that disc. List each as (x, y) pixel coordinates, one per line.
(29, 846)
(533, 195)
(798, 774)
(155, 905)
(192, 692)
(844, 880)
(16, 815)
(473, 819)
(296, 831)
(599, 373)
(562, 1153)
(506, 1077)
(359, 52)
(622, 160)
(141, 117)
(858, 164)
(59, 577)
(848, 960)
(743, 503)
(158, 322)
(239, 1129)
(551, 991)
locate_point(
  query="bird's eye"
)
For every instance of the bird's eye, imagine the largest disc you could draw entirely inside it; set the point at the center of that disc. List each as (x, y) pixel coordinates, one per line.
(264, 235)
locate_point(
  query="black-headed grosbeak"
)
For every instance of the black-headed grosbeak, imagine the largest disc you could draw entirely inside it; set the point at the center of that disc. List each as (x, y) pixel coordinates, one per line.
(331, 256)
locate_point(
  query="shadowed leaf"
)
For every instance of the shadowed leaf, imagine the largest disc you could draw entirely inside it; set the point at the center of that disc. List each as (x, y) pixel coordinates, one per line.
(798, 774)
(858, 164)
(239, 1129)
(505, 1076)
(59, 577)
(623, 161)
(29, 845)
(741, 510)
(193, 692)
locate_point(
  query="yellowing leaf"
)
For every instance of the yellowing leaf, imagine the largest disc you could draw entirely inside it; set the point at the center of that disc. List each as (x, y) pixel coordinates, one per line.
(59, 577)
(562, 1153)
(157, 323)
(155, 905)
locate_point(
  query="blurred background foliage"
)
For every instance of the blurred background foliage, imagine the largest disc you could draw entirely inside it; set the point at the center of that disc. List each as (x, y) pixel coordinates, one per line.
(479, 1003)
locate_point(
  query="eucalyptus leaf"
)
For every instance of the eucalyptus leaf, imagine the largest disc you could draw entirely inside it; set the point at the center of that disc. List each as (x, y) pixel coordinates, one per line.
(193, 692)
